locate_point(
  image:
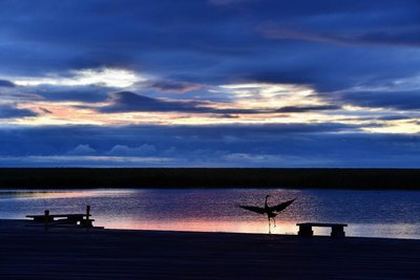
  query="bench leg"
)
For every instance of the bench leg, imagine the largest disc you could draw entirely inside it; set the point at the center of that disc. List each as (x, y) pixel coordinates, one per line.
(305, 231)
(337, 232)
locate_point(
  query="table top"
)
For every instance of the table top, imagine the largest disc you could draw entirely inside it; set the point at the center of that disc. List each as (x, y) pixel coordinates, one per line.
(59, 215)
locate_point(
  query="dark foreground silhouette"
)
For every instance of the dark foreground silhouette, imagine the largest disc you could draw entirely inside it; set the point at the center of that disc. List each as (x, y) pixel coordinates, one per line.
(26, 253)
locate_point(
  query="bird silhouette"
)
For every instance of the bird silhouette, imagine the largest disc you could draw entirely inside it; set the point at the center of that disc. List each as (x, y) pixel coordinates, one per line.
(270, 211)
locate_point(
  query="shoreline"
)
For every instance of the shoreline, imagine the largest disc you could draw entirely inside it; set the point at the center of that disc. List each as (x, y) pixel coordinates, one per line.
(301, 178)
(4, 222)
(325, 233)
(28, 253)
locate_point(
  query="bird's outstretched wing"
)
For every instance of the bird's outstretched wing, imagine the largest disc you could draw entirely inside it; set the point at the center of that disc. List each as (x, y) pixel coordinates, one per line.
(282, 206)
(255, 209)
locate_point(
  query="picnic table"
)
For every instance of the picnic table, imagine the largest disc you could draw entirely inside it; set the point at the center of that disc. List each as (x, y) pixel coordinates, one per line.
(80, 219)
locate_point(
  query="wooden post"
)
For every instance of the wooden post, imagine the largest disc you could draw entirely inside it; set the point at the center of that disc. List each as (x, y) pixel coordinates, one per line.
(46, 218)
(88, 223)
(87, 212)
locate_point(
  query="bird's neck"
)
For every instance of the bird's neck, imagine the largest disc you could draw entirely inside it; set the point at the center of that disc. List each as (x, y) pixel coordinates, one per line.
(266, 204)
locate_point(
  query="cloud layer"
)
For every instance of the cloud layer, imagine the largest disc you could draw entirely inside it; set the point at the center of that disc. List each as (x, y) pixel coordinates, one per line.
(255, 83)
(244, 146)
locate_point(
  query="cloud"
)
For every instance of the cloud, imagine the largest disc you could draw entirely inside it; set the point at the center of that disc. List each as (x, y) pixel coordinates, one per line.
(12, 112)
(53, 140)
(82, 149)
(316, 145)
(85, 94)
(5, 83)
(399, 100)
(301, 109)
(131, 102)
(123, 150)
(83, 161)
(226, 2)
(211, 44)
(174, 86)
(45, 111)
(62, 64)
(106, 77)
(408, 38)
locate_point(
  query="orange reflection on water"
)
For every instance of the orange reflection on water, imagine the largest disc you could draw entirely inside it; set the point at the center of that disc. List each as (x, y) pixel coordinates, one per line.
(200, 225)
(374, 230)
(39, 194)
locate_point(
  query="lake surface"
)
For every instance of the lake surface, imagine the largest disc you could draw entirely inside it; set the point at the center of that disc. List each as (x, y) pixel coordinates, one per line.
(368, 213)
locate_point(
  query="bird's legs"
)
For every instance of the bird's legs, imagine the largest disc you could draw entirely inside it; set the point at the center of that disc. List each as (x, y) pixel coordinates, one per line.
(274, 220)
(269, 225)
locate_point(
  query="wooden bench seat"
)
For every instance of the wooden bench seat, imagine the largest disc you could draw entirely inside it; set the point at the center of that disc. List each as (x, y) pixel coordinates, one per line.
(337, 230)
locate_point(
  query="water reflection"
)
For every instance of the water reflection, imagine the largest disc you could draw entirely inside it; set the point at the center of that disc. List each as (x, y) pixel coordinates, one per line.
(201, 225)
(48, 194)
(368, 213)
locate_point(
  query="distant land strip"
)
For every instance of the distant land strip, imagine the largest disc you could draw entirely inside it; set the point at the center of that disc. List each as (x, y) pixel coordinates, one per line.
(49, 178)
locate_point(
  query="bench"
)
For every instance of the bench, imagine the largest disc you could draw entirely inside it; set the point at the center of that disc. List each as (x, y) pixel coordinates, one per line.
(337, 230)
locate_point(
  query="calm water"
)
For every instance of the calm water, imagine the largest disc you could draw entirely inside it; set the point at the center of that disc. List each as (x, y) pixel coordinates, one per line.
(368, 213)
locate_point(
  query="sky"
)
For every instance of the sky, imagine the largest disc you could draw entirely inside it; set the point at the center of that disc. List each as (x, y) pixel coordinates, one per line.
(210, 83)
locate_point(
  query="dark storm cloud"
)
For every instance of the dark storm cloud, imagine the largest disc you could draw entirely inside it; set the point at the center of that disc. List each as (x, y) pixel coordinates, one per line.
(11, 112)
